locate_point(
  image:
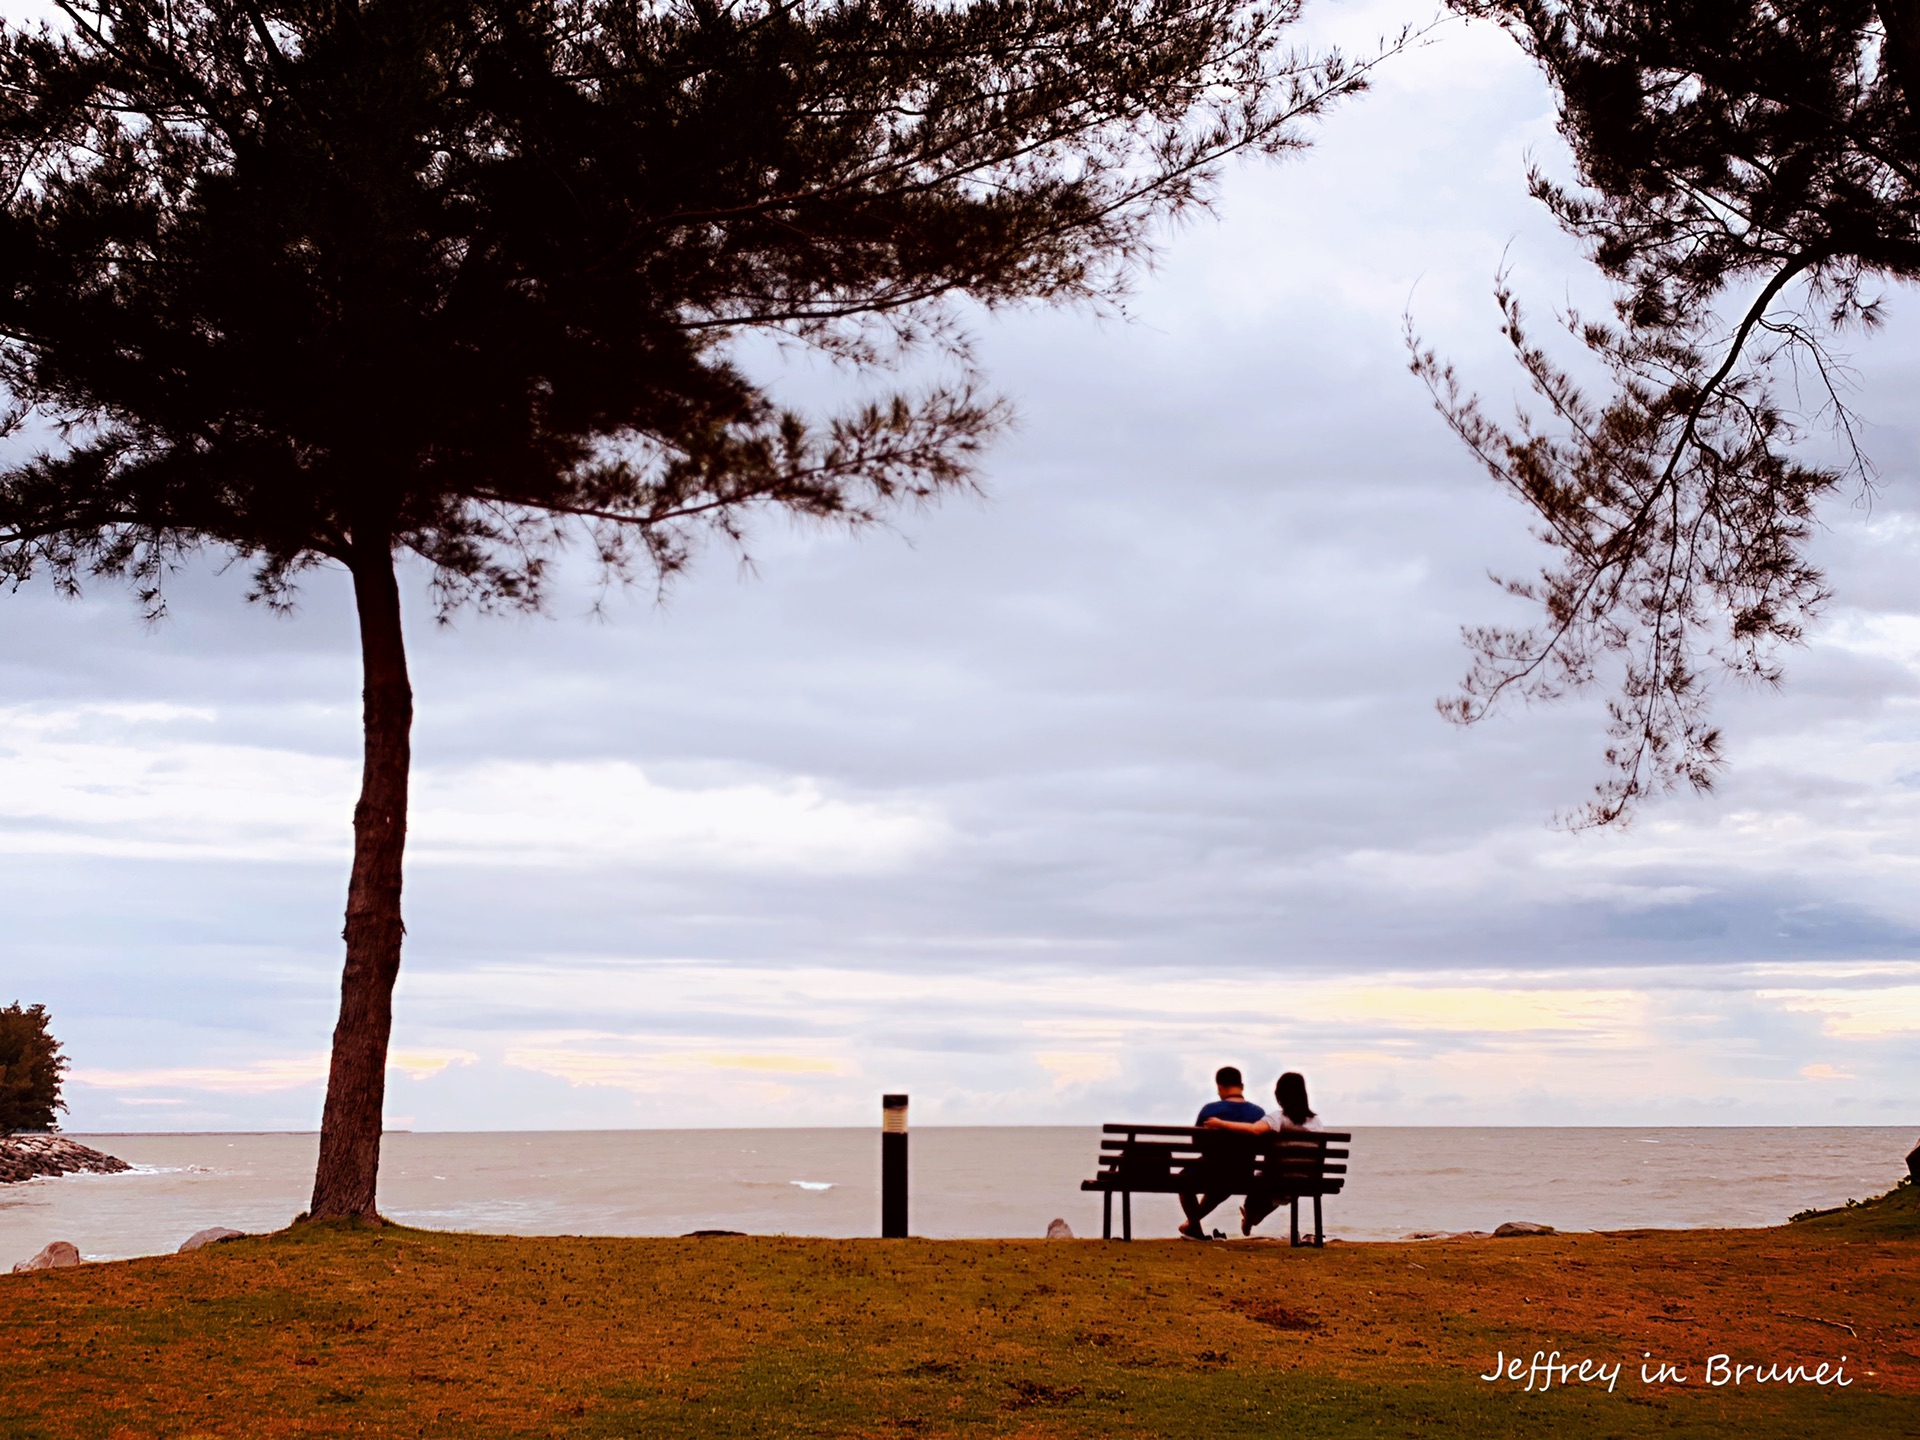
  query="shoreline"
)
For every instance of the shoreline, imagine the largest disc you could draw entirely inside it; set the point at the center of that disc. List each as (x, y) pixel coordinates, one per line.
(966, 1183)
(45, 1155)
(1905, 1126)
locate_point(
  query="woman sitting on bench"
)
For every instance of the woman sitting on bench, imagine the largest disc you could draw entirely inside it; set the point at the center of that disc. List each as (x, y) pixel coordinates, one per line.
(1293, 1113)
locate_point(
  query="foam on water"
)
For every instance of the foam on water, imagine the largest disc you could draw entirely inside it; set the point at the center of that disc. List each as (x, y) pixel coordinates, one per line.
(984, 1182)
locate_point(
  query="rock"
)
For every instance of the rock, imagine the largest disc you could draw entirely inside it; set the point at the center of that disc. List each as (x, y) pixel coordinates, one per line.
(1913, 1164)
(27, 1157)
(1427, 1235)
(57, 1256)
(212, 1235)
(1059, 1230)
(1521, 1227)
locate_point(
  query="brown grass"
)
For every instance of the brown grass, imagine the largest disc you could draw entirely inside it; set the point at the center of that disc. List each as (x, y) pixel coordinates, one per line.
(342, 1331)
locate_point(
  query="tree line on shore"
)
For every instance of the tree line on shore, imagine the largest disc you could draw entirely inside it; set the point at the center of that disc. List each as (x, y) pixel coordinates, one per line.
(32, 1070)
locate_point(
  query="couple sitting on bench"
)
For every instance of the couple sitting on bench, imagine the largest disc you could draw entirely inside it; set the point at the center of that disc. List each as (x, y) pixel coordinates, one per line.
(1233, 1111)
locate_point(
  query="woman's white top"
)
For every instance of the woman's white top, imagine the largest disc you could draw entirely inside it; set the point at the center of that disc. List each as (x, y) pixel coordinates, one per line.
(1276, 1120)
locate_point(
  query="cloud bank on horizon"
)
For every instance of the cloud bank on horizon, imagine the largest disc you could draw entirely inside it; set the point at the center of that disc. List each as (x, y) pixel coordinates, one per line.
(1128, 772)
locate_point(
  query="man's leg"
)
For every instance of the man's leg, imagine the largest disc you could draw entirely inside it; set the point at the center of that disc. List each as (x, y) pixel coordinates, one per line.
(1197, 1208)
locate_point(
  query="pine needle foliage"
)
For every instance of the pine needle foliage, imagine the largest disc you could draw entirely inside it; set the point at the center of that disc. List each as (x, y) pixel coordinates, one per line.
(32, 1070)
(298, 278)
(339, 281)
(1747, 179)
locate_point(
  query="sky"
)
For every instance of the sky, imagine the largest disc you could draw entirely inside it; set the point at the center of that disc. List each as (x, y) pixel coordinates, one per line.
(1037, 806)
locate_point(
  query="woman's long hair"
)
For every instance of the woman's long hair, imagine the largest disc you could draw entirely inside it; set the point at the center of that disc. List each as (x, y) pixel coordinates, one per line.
(1291, 1092)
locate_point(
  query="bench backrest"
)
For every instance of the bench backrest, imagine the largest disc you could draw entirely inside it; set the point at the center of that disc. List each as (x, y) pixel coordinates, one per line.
(1293, 1162)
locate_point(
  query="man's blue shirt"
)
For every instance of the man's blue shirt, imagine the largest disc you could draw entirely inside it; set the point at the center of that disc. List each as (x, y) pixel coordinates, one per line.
(1245, 1111)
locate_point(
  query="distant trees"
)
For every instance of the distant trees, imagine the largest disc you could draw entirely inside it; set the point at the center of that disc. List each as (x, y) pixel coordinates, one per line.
(1749, 176)
(32, 1070)
(345, 281)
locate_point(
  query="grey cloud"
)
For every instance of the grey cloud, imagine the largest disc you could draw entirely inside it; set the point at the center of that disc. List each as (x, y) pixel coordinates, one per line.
(1170, 688)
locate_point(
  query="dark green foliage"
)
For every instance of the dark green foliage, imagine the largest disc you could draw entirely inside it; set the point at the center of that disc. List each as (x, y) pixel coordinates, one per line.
(455, 275)
(31, 1070)
(1748, 175)
(312, 281)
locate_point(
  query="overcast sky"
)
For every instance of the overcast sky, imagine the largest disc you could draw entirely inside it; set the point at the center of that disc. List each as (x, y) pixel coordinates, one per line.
(1039, 807)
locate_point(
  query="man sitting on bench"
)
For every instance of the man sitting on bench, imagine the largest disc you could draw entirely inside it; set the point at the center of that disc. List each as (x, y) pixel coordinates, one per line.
(1232, 1106)
(1292, 1113)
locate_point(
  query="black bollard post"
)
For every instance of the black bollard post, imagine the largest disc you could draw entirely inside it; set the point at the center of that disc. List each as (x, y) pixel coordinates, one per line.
(893, 1167)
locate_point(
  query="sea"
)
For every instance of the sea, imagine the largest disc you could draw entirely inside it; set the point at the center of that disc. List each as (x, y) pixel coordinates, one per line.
(978, 1182)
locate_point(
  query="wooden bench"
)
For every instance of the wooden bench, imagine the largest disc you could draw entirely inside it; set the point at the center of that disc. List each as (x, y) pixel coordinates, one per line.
(1179, 1159)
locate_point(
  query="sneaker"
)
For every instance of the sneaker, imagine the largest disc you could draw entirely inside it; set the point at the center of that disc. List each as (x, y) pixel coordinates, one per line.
(1187, 1233)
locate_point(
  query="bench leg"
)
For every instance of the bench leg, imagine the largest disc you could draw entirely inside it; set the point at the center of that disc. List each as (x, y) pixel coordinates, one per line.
(1106, 1215)
(1126, 1214)
(1319, 1239)
(1295, 1209)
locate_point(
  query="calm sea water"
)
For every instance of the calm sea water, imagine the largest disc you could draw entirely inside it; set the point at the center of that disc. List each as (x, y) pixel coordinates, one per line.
(1006, 1181)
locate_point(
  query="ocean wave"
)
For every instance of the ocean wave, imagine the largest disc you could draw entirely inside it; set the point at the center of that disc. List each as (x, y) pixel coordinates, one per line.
(812, 1184)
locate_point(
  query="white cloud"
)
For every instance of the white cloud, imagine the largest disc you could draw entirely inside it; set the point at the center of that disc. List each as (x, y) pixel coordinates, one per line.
(1890, 1011)
(260, 1077)
(116, 780)
(611, 813)
(425, 1064)
(1825, 1072)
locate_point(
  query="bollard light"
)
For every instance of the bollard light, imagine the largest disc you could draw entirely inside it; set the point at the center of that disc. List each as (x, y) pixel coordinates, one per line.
(893, 1167)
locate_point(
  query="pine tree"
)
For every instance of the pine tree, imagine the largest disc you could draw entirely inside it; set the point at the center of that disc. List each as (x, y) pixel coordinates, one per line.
(32, 1070)
(1749, 178)
(350, 282)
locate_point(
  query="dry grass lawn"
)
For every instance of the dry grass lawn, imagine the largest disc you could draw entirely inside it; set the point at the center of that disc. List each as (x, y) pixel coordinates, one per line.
(344, 1331)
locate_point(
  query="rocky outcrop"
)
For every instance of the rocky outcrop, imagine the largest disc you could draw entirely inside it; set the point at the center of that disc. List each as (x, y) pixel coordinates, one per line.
(57, 1256)
(1913, 1164)
(212, 1235)
(26, 1157)
(1521, 1227)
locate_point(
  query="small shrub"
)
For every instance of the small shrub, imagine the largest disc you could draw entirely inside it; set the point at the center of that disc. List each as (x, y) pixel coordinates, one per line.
(31, 1070)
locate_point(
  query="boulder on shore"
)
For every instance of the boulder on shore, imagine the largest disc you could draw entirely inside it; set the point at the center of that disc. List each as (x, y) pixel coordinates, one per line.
(27, 1157)
(57, 1256)
(1521, 1227)
(1059, 1230)
(212, 1235)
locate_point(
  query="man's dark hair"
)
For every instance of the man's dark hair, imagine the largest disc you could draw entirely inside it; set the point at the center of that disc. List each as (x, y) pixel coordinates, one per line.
(1228, 1075)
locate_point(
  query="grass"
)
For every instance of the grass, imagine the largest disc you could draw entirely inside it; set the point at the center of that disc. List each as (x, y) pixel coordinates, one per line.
(337, 1330)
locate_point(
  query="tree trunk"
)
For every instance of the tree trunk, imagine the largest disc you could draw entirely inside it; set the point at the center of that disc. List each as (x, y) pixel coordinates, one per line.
(350, 1128)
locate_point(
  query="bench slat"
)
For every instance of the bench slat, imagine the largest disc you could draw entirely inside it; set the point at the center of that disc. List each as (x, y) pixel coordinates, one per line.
(1294, 1165)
